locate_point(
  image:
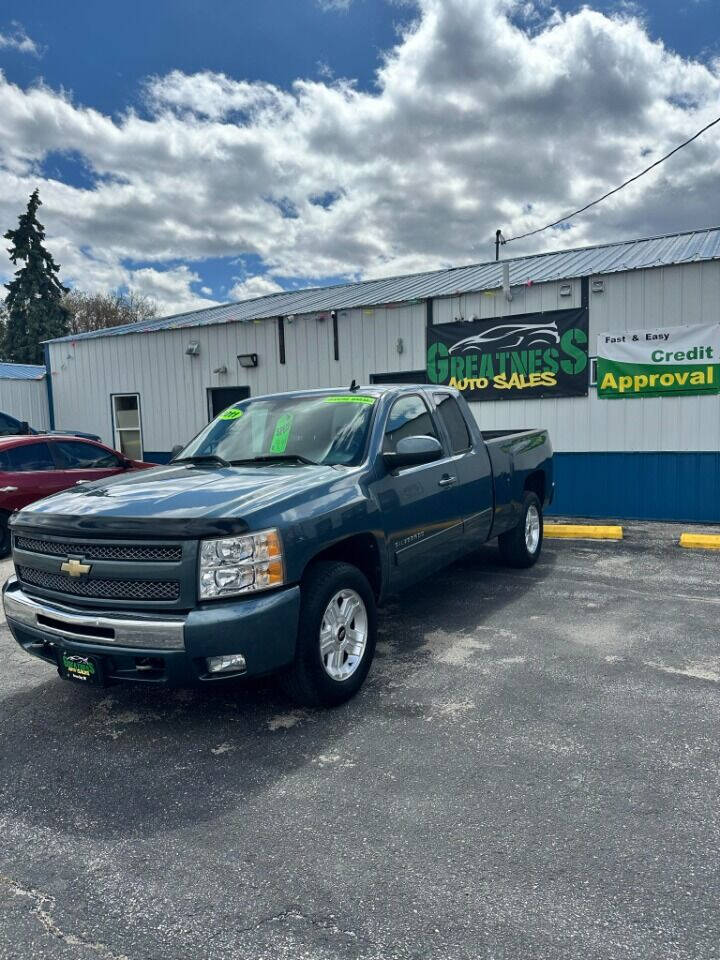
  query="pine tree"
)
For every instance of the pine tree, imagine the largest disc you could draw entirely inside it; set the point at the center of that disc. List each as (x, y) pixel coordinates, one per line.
(33, 303)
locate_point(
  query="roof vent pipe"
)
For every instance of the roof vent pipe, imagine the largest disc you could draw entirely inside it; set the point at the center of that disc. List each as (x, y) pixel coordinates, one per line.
(506, 280)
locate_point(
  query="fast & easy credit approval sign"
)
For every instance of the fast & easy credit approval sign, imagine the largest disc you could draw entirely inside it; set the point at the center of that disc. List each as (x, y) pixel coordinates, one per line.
(665, 360)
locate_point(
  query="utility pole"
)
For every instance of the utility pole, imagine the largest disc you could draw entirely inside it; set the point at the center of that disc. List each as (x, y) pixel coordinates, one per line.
(499, 238)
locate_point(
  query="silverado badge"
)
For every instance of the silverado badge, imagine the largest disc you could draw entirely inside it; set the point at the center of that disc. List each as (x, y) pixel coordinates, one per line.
(75, 568)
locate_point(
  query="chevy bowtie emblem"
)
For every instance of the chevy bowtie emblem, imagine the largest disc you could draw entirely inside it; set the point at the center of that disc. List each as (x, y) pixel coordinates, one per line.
(75, 568)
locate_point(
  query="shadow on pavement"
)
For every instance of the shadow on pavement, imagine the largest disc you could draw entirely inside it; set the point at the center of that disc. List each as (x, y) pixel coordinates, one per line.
(133, 761)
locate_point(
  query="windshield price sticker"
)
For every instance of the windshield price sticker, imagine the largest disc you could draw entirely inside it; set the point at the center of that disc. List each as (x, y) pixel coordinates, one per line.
(282, 433)
(231, 414)
(349, 399)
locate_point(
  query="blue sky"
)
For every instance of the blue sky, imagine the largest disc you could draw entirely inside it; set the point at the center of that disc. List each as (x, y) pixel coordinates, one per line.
(95, 62)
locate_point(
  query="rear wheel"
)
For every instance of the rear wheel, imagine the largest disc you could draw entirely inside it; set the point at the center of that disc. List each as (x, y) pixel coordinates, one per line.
(336, 636)
(4, 535)
(521, 546)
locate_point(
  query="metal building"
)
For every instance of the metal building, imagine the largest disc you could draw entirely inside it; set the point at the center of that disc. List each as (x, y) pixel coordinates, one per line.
(23, 394)
(149, 386)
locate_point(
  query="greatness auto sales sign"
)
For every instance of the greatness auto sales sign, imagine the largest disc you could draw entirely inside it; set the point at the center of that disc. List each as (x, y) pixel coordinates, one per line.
(661, 361)
(523, 357)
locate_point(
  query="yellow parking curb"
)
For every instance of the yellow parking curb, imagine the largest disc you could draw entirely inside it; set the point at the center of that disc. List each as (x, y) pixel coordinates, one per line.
(700, 541)
(582, 531)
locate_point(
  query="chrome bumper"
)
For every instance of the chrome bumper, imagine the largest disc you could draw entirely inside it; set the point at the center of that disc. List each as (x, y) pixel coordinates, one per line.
(118, 631)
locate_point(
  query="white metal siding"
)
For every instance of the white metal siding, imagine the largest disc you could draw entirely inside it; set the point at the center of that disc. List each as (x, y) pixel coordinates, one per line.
(667, 296)
(173, 386)
(26, 400)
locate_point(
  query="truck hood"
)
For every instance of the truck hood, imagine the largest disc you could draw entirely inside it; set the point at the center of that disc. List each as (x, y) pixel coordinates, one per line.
(179, 500)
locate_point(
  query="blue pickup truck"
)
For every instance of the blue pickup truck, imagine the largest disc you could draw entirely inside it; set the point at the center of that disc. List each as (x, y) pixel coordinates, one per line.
(268, 542)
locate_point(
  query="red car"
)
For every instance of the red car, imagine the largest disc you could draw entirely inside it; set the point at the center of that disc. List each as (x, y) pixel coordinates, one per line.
(32, 467)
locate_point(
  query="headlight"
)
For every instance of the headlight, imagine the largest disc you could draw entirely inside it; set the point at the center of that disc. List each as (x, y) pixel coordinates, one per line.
(240, 564)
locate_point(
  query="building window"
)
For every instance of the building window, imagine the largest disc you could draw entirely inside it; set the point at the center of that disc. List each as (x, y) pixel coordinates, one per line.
(400, 376)
(126, 425)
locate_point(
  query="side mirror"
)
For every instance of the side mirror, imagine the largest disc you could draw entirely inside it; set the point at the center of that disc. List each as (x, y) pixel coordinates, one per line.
(178, 448)
(413, 451)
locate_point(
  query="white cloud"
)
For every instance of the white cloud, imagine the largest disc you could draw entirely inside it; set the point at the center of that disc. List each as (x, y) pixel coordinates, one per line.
(487, 113)
(334, 4)
(257, 286)
(20, 41)
(171, 288)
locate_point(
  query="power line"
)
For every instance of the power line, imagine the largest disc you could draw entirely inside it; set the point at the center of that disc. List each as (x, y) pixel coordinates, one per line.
(531, 233)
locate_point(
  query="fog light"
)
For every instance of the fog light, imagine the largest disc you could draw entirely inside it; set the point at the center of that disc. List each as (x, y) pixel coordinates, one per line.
(233, 663)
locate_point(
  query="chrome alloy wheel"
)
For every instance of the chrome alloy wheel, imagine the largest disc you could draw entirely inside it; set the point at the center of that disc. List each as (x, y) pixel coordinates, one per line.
(532, 529)
(343, 634)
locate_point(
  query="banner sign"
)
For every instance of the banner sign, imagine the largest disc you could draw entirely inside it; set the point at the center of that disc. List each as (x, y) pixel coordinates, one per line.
(659, 362)
(523, 357)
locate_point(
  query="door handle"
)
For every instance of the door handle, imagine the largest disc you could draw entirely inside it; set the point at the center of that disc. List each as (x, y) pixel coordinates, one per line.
(8, 489)
(81, 481)
(446, 481)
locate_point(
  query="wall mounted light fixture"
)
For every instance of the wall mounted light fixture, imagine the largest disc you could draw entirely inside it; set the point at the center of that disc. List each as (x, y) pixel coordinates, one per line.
(247, 359)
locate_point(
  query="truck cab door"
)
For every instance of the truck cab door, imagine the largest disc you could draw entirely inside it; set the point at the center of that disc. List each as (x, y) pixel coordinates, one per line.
(471, 464)
(420, 516)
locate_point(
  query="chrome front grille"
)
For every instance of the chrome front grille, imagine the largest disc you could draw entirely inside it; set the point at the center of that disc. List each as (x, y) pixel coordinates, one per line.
(100, 588)
(140, 552)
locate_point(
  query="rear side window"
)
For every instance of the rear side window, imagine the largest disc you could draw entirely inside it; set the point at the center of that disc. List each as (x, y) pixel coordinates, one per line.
(8, 426)
(29, 456)
(408, 417)
(75, 455)
(454, 422)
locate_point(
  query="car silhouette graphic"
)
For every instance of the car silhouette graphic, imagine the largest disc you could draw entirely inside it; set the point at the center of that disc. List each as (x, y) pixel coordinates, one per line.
(506, 336)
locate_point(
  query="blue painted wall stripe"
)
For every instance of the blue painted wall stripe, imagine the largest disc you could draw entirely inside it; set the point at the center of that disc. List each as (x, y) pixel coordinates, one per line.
(639, 486)
(156, 457)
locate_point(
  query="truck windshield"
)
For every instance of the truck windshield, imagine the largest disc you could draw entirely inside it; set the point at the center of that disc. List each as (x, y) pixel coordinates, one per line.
(328, 429)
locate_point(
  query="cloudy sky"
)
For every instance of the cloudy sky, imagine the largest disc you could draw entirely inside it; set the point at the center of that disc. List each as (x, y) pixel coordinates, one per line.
(204, 152)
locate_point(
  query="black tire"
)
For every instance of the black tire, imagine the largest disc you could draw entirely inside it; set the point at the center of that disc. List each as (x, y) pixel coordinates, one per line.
(307, 681)
(513, 545)
(4, 535)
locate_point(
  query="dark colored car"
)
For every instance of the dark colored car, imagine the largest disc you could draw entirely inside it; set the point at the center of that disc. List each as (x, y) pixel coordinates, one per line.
(12, 427)
(268, 542)
(35, 466)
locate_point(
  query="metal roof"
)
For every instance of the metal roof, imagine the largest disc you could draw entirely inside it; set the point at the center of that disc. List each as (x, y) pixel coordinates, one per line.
(21, 371)
(689, 247)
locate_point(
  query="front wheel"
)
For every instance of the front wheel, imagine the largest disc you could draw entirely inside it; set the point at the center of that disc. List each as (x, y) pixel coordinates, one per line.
(336, 636)
(521, 546)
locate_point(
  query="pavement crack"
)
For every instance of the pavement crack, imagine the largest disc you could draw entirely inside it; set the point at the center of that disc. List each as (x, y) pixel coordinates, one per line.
(43, 907)
(292, 913)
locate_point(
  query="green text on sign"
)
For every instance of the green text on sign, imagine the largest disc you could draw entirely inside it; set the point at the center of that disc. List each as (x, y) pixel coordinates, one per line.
(341, 399)
(231, 414)
(282, 433)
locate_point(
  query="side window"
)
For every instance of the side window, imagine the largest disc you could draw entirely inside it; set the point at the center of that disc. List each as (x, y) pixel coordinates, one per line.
(8, 426)
(28, 456)
(408, 417)
(454, 422)
(75, 455)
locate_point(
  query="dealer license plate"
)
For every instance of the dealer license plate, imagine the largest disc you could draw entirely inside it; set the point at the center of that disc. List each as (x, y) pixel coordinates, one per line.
(80, 668)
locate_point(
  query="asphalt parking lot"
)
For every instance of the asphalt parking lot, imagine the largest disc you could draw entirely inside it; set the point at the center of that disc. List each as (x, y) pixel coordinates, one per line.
(532, 771)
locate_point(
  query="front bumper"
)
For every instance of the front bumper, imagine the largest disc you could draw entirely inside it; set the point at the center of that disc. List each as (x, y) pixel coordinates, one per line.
(161, 648)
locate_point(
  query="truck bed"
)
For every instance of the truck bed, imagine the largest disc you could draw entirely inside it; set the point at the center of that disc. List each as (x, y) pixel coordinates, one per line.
(489, 435)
